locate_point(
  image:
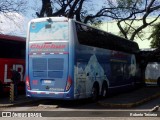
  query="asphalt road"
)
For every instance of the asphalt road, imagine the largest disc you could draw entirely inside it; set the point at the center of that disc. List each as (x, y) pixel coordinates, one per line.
(84, 109)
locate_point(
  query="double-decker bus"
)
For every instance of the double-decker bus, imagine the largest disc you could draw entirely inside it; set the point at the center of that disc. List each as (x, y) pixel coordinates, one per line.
(66, 59)
(12, 56)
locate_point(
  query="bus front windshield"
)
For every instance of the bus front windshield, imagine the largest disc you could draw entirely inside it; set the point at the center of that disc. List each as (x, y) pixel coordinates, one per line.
(51, 31)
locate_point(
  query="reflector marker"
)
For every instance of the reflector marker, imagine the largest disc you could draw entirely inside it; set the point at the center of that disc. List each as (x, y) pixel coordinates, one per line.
(38, 53)
(34, 92)
(40, 92)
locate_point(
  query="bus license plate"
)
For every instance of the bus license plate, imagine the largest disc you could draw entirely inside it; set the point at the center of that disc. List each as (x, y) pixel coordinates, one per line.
(47, 81)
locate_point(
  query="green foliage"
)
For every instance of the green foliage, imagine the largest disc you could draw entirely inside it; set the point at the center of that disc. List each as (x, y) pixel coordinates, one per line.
(128, 12)
(155, 36)
(94, 12)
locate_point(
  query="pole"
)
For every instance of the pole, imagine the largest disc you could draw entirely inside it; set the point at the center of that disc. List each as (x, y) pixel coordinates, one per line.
(11, 92)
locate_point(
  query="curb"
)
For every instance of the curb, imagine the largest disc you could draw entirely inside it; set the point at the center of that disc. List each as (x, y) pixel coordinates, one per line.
(48, 106)
(128, 105)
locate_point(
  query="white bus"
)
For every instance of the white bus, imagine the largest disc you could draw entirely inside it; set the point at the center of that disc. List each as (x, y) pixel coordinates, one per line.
(152, 73)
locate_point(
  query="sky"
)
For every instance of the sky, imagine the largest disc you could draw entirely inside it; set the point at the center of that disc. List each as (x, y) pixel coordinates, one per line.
(18, 27)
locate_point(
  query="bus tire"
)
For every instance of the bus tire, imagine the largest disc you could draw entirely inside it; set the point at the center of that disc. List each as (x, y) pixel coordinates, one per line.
(95, 92)
(104, 89)
(158, 82)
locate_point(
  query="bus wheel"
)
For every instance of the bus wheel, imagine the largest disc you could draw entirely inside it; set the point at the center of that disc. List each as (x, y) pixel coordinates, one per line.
(104, 89)
(95, 93)
(158, 82)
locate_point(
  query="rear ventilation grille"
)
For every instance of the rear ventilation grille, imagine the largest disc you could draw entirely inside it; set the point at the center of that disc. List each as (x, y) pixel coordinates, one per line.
(55, 64)
(39, 64)
(52, 67)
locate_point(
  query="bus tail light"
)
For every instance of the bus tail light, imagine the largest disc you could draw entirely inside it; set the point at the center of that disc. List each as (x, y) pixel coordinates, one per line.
(27, 83)
(69, 83)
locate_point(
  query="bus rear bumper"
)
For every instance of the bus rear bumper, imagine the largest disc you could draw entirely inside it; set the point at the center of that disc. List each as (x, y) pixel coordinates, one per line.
(50, 95)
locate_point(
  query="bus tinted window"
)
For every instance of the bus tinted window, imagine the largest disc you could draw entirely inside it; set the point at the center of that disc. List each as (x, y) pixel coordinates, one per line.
(97, 38)
(48, 31)
(12, 49)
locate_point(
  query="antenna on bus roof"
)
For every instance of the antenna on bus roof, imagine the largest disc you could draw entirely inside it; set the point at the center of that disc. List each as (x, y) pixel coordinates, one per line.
(49, 20)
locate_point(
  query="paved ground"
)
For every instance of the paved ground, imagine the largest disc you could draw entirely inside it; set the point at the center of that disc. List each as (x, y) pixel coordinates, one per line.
(125, 100)
(132, 98)
(21, 100)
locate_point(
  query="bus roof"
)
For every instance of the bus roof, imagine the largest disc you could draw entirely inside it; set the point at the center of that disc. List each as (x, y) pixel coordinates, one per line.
(113, 42)
(120, 37)
(10, 37)
(127, 45)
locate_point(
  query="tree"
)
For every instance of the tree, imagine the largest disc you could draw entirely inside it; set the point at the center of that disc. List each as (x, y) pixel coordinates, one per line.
(82, 10)
(10, 10)
(125, 12)
(155, 36)
(12, 6)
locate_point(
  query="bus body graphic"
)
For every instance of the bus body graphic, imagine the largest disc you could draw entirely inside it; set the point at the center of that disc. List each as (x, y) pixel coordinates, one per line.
(12, 56)
(66, 59)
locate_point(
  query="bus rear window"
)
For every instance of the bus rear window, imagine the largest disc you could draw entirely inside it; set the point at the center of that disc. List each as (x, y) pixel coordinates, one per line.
(55, 31)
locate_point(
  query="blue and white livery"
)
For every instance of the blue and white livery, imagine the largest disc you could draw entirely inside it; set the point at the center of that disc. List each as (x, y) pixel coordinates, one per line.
(66, 59)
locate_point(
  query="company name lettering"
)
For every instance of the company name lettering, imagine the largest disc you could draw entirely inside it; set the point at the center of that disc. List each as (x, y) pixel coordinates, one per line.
(16, 67)
(47, 46)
